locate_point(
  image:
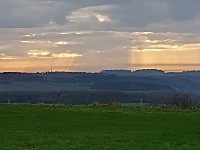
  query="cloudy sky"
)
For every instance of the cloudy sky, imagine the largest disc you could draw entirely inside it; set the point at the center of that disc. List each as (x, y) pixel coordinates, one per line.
(91, 35)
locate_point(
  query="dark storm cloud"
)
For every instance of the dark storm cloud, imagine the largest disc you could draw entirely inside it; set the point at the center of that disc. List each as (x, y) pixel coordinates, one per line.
(184, 9)
(36, 13)
(125, 13)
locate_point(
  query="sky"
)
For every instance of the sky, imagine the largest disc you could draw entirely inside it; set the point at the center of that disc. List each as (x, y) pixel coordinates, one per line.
(92, 35)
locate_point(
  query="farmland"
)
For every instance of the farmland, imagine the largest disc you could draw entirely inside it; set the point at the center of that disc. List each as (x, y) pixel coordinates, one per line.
(52, 127)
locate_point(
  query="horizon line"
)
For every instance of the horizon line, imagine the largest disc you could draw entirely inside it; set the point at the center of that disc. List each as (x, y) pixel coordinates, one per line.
(132, 71)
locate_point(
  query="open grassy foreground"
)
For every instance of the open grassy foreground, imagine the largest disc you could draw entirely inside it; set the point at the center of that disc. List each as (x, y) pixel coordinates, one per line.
(28, 127)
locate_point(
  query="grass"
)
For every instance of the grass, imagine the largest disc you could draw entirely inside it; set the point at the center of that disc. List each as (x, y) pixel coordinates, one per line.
(35, 127)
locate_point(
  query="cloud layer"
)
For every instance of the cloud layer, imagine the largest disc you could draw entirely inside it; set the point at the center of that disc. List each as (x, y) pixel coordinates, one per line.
(90, 35)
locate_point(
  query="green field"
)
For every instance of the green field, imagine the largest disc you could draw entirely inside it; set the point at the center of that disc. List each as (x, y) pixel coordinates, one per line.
(32, 127)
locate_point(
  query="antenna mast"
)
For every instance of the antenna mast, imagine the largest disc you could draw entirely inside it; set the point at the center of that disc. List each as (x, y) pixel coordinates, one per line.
(51, 69)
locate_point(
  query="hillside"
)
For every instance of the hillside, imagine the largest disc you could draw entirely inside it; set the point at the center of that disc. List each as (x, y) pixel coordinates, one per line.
(118, 85)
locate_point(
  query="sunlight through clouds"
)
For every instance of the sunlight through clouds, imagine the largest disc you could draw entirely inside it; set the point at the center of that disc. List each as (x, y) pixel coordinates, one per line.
(165, 50)
(4, 57)
(47, 54)
(102, 18)
(92, 35)
(68, 43)
(36, 53)
(66, 55)
(89, 14)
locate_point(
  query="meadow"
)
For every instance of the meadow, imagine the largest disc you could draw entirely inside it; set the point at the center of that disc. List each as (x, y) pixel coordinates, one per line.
(41, 127)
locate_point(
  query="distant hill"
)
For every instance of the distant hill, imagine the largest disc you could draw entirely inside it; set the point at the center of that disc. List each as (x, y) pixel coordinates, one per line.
(114, 80)
(124, 86)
